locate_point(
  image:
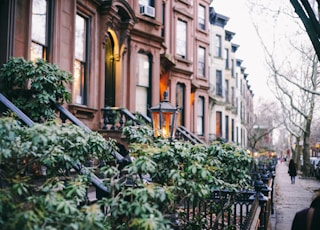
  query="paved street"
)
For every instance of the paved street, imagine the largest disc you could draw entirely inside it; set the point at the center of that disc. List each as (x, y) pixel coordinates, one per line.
(290, 198)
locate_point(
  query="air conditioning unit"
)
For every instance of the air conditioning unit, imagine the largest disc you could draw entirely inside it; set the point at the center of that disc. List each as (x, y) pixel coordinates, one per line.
(147, 10)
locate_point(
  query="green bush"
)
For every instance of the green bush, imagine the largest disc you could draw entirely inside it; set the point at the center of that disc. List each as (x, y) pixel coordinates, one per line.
(33, 87)
(57, 200)
(38, 188)
(179, 171)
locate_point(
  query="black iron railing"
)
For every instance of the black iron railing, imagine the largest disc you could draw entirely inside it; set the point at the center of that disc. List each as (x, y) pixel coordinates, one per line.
(8, 105)
(66, 115)
(184, 134)
(115, 118)
(101, 189)
(223, 209)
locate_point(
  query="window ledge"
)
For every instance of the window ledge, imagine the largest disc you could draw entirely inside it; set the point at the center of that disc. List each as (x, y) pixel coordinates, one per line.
(180, 59)
(203, 31)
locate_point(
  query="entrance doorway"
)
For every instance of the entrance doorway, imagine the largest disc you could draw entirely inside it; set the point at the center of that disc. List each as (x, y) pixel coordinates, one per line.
(110, 81)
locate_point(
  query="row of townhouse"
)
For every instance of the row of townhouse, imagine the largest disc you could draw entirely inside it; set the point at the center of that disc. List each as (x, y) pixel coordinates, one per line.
(231, 99)
(127, 53)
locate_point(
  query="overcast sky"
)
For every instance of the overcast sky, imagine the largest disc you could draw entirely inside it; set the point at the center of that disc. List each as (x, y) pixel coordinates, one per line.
(250, 50)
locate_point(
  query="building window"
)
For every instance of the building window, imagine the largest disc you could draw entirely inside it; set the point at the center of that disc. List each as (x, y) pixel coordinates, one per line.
(218, 124)
(237, 80)
(81, 62)
(201, 61)
(180, 102)
(200, 116)
(147, 8)
(232, 68)
(241, 111)
(227, 58)
(163, 19)
(202, 17)
(40, 29)
(143, 83)
(237, 135)
(241, 137)
(218, 82)
(232, 130)
(227, 128)
(218, 46)
(232, 96)
(227, 90)
(181, 39)
(146, 2)
(237, 106)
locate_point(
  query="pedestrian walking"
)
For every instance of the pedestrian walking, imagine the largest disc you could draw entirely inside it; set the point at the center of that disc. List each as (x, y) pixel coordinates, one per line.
(292, 171)
(308, 218)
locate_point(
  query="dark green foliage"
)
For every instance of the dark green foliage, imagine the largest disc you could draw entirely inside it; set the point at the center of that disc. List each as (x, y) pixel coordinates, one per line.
(57, 199)
(33, 87)
(182, 171)
(38, 188)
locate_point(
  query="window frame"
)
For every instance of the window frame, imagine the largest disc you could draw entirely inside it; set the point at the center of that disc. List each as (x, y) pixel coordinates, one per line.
(150, 2)
(218, 45)
(200, 116)
(181, 49)
(227, 57)
(201, 62)
(148, 86)
(219, 83)
(232, 96)
(201, 17)
(226, 128)
(218, 124)
(226, 82)
(180, 97)
(85, 63)
(232, 129)
(47, 46)
(232, 67)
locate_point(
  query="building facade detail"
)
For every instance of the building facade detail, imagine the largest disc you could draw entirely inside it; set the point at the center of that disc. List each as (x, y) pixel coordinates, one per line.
(127, 53)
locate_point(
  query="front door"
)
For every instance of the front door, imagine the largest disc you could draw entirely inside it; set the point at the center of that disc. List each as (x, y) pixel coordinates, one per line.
(109, 99)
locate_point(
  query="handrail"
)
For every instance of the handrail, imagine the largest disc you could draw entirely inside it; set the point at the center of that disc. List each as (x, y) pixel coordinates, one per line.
(130, 115)
(79, 167)
(65, 114)
(16, 110)
(190, 136)
(116, 122)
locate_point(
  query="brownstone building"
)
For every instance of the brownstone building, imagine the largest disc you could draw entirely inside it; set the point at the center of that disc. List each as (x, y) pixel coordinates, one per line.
(120, 53)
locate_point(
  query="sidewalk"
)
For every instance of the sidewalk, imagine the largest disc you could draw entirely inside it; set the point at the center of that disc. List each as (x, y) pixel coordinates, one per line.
(290, 198)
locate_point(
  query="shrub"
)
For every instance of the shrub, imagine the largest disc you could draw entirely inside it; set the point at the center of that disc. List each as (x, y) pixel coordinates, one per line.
(38, 189)
(33, 87)
(179, 171)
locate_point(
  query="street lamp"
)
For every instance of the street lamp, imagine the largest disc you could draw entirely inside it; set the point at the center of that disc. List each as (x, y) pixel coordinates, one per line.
(163, 117)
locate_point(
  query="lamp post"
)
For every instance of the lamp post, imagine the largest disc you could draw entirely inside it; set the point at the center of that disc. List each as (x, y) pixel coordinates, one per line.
(163, 118)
